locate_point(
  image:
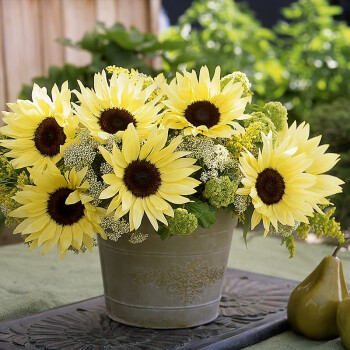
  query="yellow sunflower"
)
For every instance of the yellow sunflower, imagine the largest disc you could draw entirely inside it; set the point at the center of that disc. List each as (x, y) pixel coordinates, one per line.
(57, 212)
(298, 137)
(200, 106)
(146, 178)
(39, 130)
(278, 185)
(109, 108)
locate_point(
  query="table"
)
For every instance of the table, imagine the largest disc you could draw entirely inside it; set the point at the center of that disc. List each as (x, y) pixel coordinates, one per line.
(31, 283)
(252, 308)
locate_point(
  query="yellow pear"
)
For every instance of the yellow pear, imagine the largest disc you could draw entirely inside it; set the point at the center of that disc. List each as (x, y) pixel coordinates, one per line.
(312, 306)
(343, 322)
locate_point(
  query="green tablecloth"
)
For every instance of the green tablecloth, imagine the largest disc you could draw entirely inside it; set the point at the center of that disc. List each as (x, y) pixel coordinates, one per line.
(32, 283)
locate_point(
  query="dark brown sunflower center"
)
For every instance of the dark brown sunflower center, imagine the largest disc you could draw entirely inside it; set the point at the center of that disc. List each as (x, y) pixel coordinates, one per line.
(202, 113)
(48, 137)
(142, 178)
(115, 119)
(270, 186)
(62, 213)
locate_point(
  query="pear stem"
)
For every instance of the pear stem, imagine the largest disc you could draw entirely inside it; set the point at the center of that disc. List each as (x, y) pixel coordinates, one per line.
(339, 246)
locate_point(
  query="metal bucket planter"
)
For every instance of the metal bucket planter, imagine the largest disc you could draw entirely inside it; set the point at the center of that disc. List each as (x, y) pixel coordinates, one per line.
(175, 283)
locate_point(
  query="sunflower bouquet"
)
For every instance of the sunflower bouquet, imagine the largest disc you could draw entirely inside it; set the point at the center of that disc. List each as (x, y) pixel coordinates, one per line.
(134, 148)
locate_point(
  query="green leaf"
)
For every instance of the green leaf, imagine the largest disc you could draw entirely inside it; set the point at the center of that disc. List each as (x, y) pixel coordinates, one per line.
(248, 218)
(129, 40)
(91, 42)
(166, 45)
(100, 25)
(164, 232)
(68, 42)
(204, 212)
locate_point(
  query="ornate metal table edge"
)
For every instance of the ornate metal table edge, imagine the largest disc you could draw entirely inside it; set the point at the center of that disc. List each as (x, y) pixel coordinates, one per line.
(252, 309)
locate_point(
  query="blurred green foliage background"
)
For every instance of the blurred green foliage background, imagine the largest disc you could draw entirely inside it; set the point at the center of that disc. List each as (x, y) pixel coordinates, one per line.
(303, 62)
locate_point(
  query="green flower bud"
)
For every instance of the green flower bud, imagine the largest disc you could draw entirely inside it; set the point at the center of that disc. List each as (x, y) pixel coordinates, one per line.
(183, 223)
(254, 130)
(220, 191)
(266, 123)
(277, 113)
(237, 77)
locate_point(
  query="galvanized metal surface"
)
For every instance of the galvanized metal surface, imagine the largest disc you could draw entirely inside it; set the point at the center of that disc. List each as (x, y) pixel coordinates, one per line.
(172, 283)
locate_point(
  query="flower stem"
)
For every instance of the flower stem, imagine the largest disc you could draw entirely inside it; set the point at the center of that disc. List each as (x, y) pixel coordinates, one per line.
(339, 246)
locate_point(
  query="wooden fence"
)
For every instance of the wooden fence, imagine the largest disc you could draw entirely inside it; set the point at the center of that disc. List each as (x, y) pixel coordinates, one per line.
(29, 29)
